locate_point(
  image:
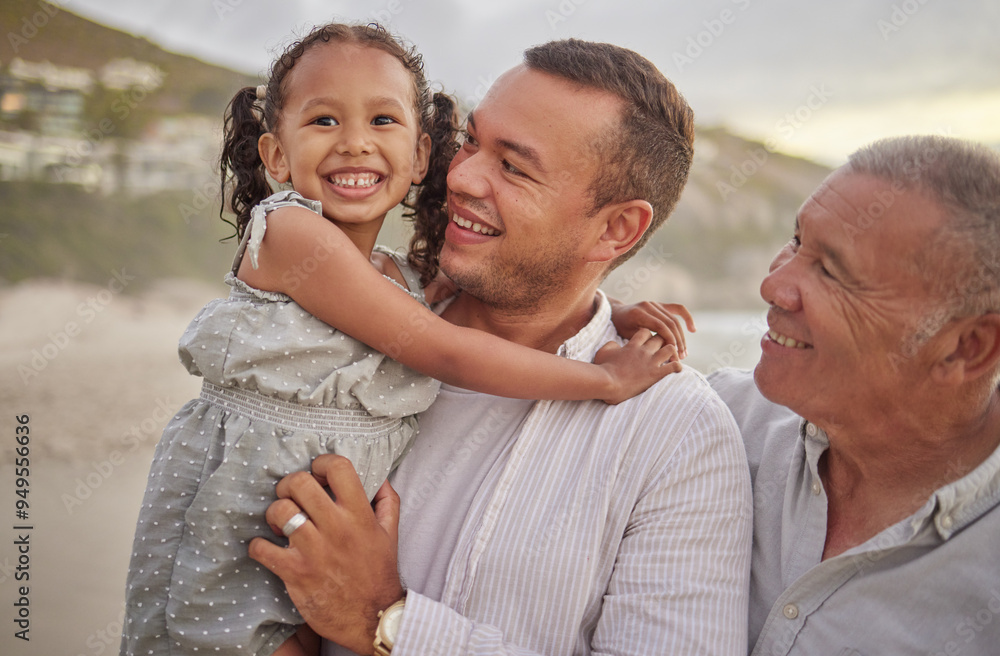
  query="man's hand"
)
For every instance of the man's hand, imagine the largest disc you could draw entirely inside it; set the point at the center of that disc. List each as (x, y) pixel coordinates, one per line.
(340, 566)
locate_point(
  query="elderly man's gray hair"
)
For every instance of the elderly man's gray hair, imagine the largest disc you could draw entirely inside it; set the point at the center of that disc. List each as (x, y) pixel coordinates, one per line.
(963, 261)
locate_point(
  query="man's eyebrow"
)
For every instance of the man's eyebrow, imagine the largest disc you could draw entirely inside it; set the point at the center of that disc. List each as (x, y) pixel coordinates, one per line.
(528, 153)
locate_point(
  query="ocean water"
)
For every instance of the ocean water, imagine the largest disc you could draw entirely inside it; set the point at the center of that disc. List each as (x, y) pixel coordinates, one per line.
(725, 339)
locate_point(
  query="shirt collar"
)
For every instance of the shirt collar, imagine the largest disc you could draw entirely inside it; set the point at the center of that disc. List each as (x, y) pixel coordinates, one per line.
(951, 507)
(584, 344)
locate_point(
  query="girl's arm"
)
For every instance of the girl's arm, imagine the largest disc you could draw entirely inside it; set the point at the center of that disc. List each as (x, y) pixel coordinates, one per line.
(310, 259)
(661, 318)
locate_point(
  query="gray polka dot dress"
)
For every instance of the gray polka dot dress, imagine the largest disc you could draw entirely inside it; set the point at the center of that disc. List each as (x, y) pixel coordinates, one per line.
(280, 388)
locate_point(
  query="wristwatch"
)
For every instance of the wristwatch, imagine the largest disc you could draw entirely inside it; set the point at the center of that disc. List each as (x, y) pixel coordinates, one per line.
(388, 628)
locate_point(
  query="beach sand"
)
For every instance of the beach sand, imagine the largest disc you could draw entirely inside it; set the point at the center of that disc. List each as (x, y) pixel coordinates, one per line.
(97, 374)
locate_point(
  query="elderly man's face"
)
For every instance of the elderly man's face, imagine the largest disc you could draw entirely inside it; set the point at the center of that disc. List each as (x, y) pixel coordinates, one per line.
(519, 188)
(845, 300)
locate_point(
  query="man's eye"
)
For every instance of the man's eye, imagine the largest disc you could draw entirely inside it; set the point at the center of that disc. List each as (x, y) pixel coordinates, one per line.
(510, 168)
(795, 242)
(383, 120)
(326, 121)
(469, 139)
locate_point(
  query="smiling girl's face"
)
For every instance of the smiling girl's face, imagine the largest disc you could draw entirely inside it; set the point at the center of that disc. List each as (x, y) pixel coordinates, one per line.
(348, 134)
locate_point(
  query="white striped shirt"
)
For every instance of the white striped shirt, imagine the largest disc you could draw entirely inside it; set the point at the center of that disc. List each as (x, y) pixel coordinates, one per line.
(601, 529)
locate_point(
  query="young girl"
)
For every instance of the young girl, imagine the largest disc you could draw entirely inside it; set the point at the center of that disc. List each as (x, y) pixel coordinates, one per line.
(347, 119)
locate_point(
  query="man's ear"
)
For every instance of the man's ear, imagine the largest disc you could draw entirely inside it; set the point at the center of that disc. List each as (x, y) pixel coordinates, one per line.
(271, 153)
(421, 158)
(972, 350)
(623, 225)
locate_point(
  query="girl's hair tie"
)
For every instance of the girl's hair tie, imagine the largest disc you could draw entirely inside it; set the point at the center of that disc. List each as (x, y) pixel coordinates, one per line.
(261, 91)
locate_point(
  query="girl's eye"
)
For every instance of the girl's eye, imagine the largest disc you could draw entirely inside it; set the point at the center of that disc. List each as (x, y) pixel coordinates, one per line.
(469, 139)
(383, 120)
(326, 121)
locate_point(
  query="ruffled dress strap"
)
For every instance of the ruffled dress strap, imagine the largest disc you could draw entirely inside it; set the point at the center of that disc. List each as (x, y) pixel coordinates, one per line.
(254, 235)
(410, 274)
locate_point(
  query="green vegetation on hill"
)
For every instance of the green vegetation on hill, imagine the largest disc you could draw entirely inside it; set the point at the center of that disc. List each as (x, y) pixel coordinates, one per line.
(57, 230)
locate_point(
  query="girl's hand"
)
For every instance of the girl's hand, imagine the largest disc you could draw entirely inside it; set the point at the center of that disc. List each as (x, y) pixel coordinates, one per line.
(658, 317)
(634, 367)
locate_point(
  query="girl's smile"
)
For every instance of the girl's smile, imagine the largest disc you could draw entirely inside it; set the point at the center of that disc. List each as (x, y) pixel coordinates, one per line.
(353, 146)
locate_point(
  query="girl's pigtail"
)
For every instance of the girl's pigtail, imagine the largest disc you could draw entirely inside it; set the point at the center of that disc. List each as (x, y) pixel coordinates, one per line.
(428, 210)
(241, 170)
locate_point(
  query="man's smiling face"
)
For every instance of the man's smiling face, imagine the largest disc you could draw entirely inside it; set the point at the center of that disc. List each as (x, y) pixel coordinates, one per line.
(844, 301)
(519, 188)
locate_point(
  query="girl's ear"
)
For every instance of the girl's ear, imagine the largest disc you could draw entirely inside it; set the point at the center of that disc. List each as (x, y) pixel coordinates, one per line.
(421, 157)
(271, 153)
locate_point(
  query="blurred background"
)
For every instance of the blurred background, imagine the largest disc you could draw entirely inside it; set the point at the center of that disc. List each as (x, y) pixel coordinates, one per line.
(109, 230)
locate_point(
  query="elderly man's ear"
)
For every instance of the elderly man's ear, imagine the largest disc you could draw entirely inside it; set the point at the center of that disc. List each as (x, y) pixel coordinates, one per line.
(972, 350)
(621, 226)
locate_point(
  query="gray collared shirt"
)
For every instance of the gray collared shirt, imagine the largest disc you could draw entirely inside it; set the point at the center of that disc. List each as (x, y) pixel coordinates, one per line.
(928, 585)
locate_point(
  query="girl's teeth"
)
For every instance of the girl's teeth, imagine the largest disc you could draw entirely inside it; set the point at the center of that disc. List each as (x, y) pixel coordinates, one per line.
(364, 180)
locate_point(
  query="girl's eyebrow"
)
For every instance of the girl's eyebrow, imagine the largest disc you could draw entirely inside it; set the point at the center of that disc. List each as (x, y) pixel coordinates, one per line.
(378, 101)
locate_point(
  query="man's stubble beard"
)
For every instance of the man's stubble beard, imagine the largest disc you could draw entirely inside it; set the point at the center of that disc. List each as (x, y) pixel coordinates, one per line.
(518, 285)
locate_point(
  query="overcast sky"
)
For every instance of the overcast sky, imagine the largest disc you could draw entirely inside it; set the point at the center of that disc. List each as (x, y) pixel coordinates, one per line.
(818, 77)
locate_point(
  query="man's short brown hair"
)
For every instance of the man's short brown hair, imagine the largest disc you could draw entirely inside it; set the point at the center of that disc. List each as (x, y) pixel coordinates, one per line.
(650, 156)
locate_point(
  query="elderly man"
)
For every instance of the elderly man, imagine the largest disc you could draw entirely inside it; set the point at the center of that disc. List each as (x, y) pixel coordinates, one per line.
(873, 429)
(543, 527)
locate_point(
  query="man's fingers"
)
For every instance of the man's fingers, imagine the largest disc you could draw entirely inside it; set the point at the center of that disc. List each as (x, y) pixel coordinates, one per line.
(305, 492)
(386, 504)
(278, 514)
(342, 479)
(270, 556)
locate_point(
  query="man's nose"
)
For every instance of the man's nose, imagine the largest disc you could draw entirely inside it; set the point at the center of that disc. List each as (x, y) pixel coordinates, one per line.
(780, 286)
(467, 175)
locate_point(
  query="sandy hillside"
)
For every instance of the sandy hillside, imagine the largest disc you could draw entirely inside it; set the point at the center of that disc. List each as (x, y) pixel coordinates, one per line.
(97, 373)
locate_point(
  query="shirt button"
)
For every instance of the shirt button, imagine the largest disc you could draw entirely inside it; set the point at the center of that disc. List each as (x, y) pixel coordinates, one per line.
(817, 488)
(791, 611)
(811, 429)
(946, 522)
